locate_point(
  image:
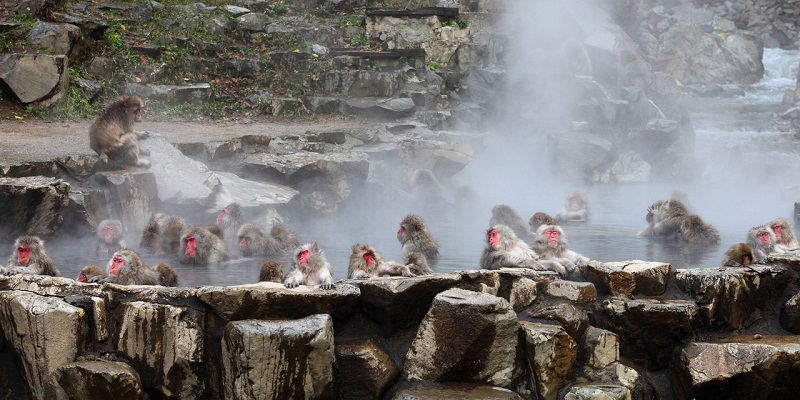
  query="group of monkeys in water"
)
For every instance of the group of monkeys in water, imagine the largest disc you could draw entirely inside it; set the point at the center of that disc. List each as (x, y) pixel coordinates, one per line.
(506, 245)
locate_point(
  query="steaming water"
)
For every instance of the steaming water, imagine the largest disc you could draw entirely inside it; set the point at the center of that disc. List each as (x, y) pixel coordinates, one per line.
(742, 180)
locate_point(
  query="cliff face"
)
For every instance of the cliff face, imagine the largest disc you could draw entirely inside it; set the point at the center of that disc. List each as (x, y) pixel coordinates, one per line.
(631, 330)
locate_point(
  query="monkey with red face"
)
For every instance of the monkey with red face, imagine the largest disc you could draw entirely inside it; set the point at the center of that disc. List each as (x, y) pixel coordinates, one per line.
(90, 271)
(365, 263)
(503, 249)
(309, 267)
(151, 232)
(739, 255)
(763, 242)
(230, 219)
(112, 136)
(271, 271)
(169, 236)
(199, 246)
(784, 234)
(253, 241)
(503, 214)
(109, 236)
(415, 237)
(126, 268)
(30, 257)
(551, 244)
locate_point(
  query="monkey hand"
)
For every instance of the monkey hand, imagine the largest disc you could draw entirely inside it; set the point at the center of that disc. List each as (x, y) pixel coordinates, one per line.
(104, 158)
(327, 286)
(291, 285)
(98, 279)
(409, 274)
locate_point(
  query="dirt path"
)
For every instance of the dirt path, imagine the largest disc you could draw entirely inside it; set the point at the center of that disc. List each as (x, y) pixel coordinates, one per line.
(22, 141)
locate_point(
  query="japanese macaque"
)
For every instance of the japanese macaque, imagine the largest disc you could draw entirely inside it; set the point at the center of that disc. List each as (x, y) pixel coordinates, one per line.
(112, 136)
(551, 244)
(784, 233)
(169, 236)
(271, 271)
(151, 232)
(739, 255)
(30, 257)
(166, 275)
(538, 219)
(417, 263)
(503, 249)
(230, 219)
(414, 236)
(427, 189)
(126, 268)
(109, 236)
(695, 230)
(664, 219)
(763, 242)
(366, 263)
(90, 271)
(503, 214)
(576, 209)
(309, 267)
(253, 241)
(199, 246)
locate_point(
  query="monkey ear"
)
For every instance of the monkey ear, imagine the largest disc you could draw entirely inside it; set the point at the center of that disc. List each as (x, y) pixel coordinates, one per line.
(315, 246)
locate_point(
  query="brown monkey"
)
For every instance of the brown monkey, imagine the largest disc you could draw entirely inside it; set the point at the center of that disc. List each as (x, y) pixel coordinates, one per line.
(414, 236)
(90, 271)
(166, 275)
(30, 257)
(417, 263)
(109, 236)
(664, 219)
(112, 136)
(199, 246)
(126, 268)
(271, 271)
(215, 230)
(763, 242)
(309, 267)
(427, 189)
(151, 232)
(739, 255)
(169, 236)
(576, 209)
(253, 241)
(784, 233)
(503, 214)
(695, 230)
(230, 219)
(538, 219)
(365, 263)
(503, 249)
(551, 244)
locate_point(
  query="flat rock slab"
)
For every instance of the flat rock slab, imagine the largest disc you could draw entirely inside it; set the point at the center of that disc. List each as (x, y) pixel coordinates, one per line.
(646, 278)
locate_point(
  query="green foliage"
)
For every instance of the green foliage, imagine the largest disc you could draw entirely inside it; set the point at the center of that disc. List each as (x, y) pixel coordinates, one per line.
(360, 41)
(73, 106)
(277, 8)
(434, 65)
(350, 21)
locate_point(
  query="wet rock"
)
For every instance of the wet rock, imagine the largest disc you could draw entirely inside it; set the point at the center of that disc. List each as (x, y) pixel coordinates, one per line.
(364, 369)
(581, 292)
(396, 303)
(790, 314)
(740, 368)
(30, 169)
(42, 351)
(165, 344)
(729, 298)
(235, 11)
(36, 80)
(628, 168)
(131, 195)
(251, 194)
(101, 380)
(380, 108)
(591, 391)
(629, 277)
(253, 22)
(551, 353)
(600, 347)
(287, 106)
(279, 359)
(466, 337)
(52, 38)
(32, 205)
(573, 318)
(402, 32)
(587, 150)
(273, 300)
(449, 391)
(650, 329)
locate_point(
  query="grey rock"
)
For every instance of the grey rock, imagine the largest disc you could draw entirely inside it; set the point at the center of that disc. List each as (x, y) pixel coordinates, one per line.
(34, 79)
(32, 205)
(101, 380)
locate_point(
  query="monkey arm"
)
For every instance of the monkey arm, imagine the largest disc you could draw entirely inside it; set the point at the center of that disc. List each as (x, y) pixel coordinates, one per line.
(325, 278)
(359, 274)
(30, 269)
(293, 278)
(394, 269)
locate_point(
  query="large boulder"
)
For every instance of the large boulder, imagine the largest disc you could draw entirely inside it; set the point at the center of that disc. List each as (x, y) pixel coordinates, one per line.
(365, 370)
(466, 337)
(551, 355)
(279, 359)
(131, 195)
(32, 205)
(101, 380)
(34, 79)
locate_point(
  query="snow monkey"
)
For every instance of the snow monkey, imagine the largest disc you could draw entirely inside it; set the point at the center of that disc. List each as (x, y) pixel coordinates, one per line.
(417, 263)
(309, 267)
(199, 246)
(30, 257)
(230, 219)
(551, 244)
(540, 218)
(112, 136)
(109, 236)
(503, 249)
(664, 219)
(365, 263)
(253, 241)
(90, 271)
(784, 233)
(695, 230)
(576, 209)
(151, 232)
(763, 242)
(503, 214)
(168, 240)
(126, 268)
(166, 275)
(271, 271)
(739, 255)
(414, 236)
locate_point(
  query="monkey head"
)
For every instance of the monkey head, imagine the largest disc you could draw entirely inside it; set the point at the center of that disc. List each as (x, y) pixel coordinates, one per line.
(764, 238)
(116, 264)
(89, 272)
(24, 248)
(493, 237)
(191, 245)
(222, 216)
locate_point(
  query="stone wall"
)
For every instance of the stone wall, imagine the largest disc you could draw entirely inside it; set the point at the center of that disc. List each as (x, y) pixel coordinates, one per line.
(632, 330)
